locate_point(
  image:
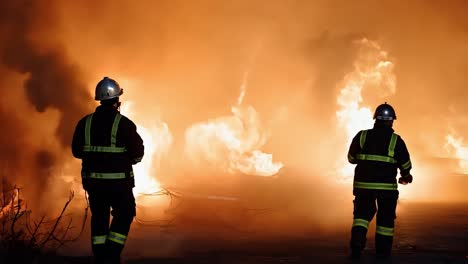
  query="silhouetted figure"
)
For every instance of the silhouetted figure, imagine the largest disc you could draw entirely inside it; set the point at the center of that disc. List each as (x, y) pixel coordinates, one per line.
(378, 153)
(108, 144)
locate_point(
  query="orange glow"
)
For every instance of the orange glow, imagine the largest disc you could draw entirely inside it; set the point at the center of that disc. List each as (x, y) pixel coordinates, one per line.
(456, 147)
(232, 143)
(372, 70)
(157, 141)
(9, 208)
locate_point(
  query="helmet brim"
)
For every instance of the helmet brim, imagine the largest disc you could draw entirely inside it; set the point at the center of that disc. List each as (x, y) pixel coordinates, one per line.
(385, 118)
(109, 97)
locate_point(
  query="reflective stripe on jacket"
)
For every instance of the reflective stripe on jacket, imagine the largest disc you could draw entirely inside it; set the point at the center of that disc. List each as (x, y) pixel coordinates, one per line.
(108, 144)
(378, 154)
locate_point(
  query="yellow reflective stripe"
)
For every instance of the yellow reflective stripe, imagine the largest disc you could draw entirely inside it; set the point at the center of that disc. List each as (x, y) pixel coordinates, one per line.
(391, 150)
(115, 127)
(111, 175)
(406, 165)
(116, 237)
(89, 119)
(351, 158)
(375, 158)
(98, 240)
(375, 185)
(104, 149)
(362, 139)
(385, 231)
(361, 222)
(391, 146)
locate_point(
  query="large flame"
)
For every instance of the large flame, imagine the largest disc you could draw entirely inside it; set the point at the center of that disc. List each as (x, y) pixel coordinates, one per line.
(157, 140)
(372, 70)
(456, 147)
(232, 142)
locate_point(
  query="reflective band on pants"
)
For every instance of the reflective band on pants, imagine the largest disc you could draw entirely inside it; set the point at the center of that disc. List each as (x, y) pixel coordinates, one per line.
(98, 240)
(116, 237)
(361, 222)
(375, 185)
(385, 231)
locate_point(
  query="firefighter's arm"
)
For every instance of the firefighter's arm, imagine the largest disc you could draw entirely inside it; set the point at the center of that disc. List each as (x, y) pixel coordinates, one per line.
(404, 162)
(135, 148)
(78, 140)
(354, 149)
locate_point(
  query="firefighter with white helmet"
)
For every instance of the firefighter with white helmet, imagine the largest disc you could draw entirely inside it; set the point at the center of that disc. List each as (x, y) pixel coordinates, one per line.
(378, 153)
(107, 89)
(108, 145)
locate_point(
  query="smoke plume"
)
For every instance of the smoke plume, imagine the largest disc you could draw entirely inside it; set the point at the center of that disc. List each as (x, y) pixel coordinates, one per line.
(31, 52)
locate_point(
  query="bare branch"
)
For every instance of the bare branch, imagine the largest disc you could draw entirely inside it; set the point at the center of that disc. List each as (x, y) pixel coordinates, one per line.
(51, 233)
(33, 239)
(18, 210)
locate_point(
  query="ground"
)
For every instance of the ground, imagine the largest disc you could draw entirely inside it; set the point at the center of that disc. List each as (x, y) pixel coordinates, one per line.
(427, 233)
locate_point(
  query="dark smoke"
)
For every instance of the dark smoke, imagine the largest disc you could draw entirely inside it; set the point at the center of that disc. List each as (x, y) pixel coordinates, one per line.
(52, 80)
(29, 50)
(11, 138)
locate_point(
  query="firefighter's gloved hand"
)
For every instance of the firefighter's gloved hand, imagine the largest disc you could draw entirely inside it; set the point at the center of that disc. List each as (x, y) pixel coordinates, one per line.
(406, 179)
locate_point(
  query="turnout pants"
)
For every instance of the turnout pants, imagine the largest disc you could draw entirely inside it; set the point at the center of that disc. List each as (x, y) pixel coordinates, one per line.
(108, 240)
(366, 204)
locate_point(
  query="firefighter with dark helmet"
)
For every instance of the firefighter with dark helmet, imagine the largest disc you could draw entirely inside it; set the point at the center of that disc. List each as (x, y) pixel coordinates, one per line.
(108, 145)
(378, 154)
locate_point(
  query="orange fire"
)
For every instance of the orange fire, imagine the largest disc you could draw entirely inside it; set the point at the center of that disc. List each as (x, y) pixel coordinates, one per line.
(157, 140)
(232, 142)
(456, 147)
(7, 208)
(372, 70)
